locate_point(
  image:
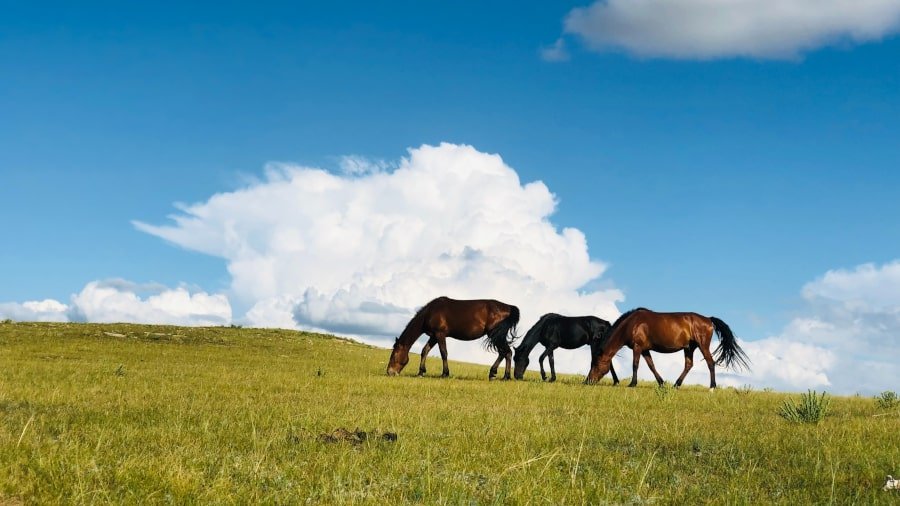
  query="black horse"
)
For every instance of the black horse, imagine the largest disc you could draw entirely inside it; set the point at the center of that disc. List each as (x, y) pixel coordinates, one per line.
(557, 331)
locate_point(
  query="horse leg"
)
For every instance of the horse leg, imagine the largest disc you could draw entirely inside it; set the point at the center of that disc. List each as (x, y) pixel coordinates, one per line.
(442, 343)
(688, 363)
(712, 366)
(552, 367)
(508, 353)
(541, 363)
(649, 360)
(636, 361)
(425, 349)
(613, 371)
(493, 373)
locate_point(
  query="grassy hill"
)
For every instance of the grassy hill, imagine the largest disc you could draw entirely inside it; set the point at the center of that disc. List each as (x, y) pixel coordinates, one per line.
(136, 414)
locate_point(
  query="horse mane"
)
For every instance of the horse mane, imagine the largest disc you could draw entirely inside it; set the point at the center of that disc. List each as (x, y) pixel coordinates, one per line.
(624, 316)
(416, 319)
(601, 322)
(534, 334)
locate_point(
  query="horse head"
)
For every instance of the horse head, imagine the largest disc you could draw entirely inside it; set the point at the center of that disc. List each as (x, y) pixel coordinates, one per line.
(600, 364)
(520, 358)
(399, 358)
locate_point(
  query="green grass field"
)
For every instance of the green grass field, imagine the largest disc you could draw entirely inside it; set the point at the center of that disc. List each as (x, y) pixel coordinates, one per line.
(138, 414)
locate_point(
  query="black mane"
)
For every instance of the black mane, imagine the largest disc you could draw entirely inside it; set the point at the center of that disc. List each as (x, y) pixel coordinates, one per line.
(416, 316)
(624, 316)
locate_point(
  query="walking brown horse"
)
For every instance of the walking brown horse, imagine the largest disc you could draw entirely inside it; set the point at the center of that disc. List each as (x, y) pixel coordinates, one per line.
(644, 331)
(466, 320)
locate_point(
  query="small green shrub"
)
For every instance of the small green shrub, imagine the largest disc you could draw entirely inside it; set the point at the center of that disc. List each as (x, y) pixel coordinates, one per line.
(812, 408)
(696, 447)
(887, 400)
(664, 391)
(7, 321)
(743, 390)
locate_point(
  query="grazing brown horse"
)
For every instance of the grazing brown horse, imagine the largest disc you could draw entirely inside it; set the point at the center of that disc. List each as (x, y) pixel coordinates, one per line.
(644, 331)
(466, 320)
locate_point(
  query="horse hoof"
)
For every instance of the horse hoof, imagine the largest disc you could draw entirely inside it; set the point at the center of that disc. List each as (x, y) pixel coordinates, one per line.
(445, 375)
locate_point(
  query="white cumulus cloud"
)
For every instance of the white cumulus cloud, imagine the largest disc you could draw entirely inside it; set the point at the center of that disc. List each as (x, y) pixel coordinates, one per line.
(845, 339)
(47, 310)
(119, 301)
(867, 288)
(709, 29)
(358, 252)
(107, 302)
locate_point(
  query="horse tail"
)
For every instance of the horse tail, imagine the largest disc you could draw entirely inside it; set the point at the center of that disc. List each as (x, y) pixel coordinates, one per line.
(497, 339)
(728, 353)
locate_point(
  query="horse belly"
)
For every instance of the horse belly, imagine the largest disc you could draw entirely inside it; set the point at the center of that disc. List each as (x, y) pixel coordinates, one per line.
(465, 334)
(666, 349)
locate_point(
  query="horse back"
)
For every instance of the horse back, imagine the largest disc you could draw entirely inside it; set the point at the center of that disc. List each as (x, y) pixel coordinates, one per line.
(571, 332)
(666, 332)
(464, 319)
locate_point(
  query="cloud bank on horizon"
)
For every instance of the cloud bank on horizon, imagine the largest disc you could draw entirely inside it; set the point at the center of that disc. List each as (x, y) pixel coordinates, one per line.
(358, 252)
(116, 300)
(712, 29)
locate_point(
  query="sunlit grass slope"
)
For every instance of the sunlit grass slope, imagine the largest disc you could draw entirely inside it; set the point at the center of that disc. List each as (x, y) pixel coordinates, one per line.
(146, 414)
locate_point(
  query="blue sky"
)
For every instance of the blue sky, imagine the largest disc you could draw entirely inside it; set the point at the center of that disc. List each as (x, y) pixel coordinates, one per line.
(721, 185)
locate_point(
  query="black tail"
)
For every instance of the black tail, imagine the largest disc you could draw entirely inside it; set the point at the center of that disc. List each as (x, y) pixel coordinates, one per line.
(497, 336)
(728, 353)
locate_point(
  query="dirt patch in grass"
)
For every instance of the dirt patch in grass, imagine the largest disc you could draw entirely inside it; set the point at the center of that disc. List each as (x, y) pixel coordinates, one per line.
(356, 437)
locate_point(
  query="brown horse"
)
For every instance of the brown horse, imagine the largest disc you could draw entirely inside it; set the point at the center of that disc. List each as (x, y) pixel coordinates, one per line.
(465, 320)
(644, 331)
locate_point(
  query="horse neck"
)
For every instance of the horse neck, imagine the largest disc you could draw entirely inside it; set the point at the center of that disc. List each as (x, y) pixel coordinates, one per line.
(534, 334)
(585, 324)
(616, 339)
(530, 340)
(413, 329)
